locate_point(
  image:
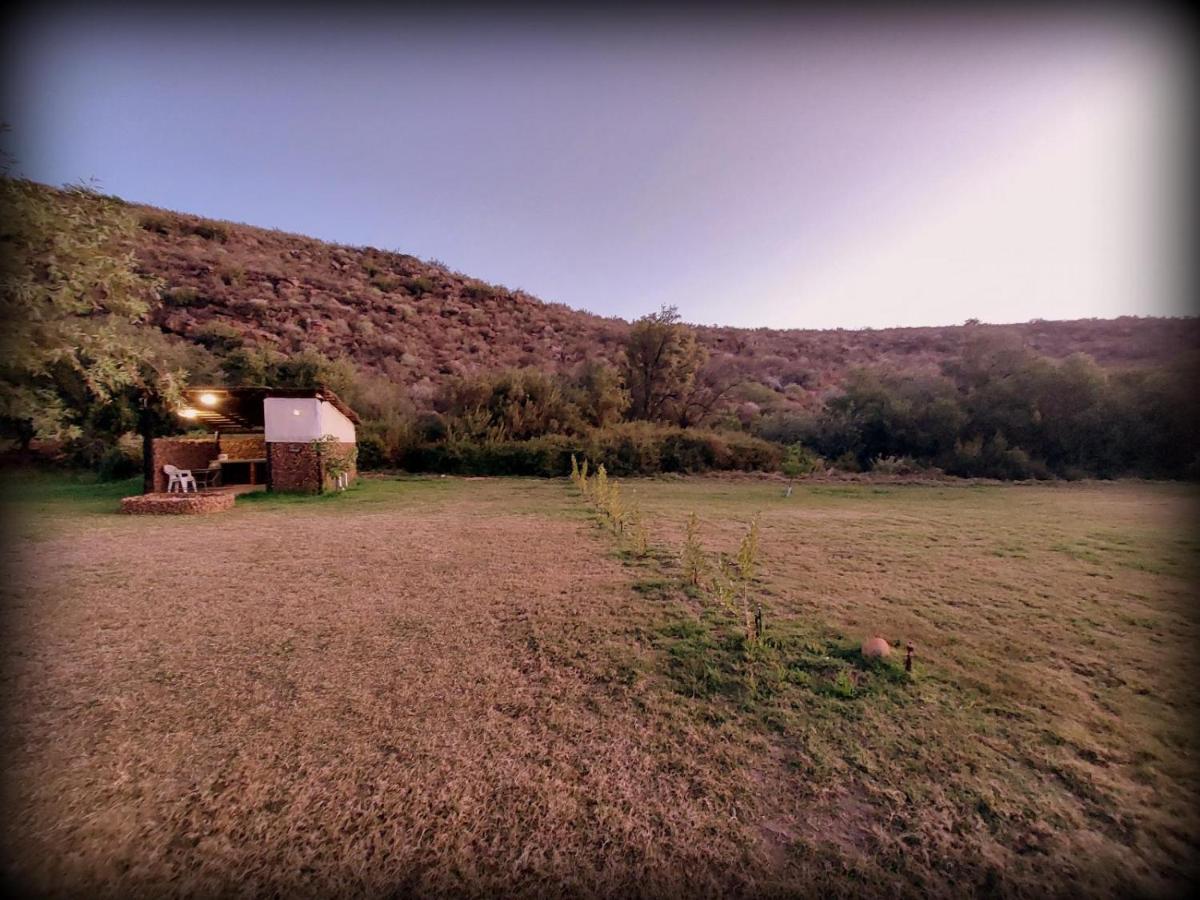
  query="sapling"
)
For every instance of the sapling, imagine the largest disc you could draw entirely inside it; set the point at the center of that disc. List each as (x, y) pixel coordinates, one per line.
(747, 558)
(639, 533)
(798, 461)
(747, 563)
(614, 507)
(600, 488)
(693, 552)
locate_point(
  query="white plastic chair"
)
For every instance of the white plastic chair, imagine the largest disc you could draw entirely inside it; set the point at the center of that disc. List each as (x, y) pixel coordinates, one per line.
(179, 478)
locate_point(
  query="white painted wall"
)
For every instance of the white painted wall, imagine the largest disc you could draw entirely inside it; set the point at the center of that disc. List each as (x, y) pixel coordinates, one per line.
(294, 420)
(304, 419)
(333, 422)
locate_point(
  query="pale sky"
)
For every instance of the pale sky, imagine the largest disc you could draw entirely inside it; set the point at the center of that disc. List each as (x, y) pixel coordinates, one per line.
(788, 172)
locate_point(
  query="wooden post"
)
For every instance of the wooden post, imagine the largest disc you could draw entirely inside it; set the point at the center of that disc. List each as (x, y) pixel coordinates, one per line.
(147, 445)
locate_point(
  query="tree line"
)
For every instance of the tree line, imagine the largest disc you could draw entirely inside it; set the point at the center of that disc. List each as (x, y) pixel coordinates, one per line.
(1000, 410)
(82, 368)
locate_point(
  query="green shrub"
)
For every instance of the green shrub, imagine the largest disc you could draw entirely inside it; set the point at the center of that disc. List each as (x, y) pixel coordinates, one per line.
(373, 452)
(117, 464)
(799, 461)
(155, 223)
(895, 465)
(387, 283)
(547, 456)
(210, 231)
(644, 448)
(483, 291)
(184, 297)
(418, 286)
(219, 337)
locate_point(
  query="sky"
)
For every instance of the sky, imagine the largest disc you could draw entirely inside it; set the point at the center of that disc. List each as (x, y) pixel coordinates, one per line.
(818, 171)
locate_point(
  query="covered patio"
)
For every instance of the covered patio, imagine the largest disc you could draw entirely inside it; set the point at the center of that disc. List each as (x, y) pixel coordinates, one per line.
(291, 439)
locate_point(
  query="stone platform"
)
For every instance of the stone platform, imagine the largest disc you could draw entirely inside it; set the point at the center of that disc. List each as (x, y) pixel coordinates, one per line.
(189, 504)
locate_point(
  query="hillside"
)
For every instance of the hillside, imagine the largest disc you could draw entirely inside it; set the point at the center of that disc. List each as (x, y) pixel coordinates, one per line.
(420, 323)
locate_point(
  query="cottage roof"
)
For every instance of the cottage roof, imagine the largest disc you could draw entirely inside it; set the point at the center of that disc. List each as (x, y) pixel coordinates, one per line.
(241, 408)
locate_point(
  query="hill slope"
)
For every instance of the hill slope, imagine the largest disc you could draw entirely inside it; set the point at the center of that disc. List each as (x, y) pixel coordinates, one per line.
(420, 323)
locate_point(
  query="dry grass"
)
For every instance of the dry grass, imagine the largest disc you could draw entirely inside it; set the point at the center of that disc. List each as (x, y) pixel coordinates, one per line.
(423, 689)
(1047, 743)
(443, 686)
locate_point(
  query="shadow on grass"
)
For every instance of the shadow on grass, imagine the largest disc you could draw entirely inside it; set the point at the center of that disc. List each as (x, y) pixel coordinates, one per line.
(81, 492)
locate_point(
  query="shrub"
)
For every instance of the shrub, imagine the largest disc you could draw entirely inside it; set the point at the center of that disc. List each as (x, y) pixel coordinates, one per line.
(692, 556)
(117, 463)
(387, 283)
(210, 231)
(644, 448)
(373, 452)
(895, 465)
(155, 223)
(547, 456)
(184, 297)
(799, 461)
(418, 286)
(785, 427)
(219, 337)
(483, 291)
(847, 462)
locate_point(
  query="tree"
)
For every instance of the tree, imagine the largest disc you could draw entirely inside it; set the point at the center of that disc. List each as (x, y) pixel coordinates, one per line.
(710, 385)
(599, 393)
(513, 404)
(661, 360)
(797, 462)
(72, 302)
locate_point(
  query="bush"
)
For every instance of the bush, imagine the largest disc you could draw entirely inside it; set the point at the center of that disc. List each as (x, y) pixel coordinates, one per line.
(643, 448)
(895, 465)
(799, 461)
(220, 337)
(372, 452)
(639, 448)
(153, 222)
(387, 283)
(117, 464)
(418, 286)
(184, 298)
(785, 427)
(210, 231)
(847, 462)
(546, 456)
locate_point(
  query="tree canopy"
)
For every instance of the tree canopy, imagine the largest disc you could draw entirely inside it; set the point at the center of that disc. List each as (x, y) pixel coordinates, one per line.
(72, 300)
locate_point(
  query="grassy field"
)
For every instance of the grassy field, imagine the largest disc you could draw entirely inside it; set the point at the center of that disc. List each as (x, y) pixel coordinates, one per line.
(471, 686)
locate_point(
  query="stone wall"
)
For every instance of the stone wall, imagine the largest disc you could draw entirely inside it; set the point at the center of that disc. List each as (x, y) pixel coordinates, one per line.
(184, 453)
(189, 504)
(297, 467)
(244, 447)
(294, 467)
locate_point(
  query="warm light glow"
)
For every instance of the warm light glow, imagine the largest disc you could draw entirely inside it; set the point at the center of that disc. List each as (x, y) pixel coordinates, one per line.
(295, 412)
(209, 399)
(189, 413)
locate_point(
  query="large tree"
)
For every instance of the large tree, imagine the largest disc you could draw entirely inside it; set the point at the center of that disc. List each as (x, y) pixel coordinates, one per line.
(661, 361)
(73, 305)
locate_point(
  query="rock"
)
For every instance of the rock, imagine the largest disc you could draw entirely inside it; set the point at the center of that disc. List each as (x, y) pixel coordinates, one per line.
(875, 648)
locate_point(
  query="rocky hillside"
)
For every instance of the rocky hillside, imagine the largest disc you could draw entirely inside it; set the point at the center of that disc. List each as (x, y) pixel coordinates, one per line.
(419, 322)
